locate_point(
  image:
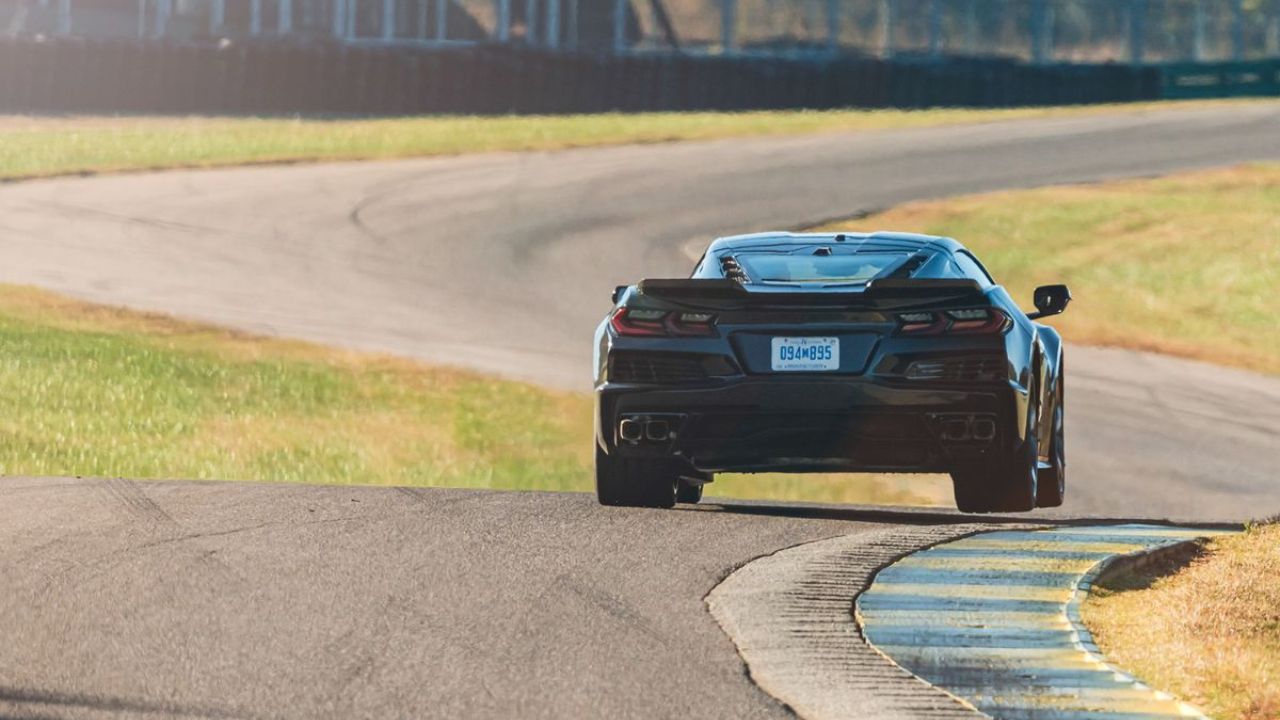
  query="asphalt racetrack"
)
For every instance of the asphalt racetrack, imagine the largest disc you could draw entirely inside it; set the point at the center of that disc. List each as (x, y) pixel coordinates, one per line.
(215, 599)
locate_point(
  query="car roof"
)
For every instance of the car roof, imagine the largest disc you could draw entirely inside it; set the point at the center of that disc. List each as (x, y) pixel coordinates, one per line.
(879, 240)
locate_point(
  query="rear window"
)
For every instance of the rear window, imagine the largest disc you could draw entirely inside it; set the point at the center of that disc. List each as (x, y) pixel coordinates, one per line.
(823, 269)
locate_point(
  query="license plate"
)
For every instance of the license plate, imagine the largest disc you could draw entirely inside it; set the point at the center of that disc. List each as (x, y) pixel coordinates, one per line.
(806, 354)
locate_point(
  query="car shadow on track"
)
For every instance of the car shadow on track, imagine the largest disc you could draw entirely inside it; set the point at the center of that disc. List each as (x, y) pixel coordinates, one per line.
(890, 515)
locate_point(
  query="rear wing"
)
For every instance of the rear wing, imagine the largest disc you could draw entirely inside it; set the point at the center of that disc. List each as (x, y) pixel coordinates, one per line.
(882, 293)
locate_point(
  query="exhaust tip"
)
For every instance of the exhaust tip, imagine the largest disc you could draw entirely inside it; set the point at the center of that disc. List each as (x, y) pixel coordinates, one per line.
(956, 430)
(631, 430)
(657, 430)
(984, 430)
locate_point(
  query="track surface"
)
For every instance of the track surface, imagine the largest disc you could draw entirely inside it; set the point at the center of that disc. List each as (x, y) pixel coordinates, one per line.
(241, 600)
(323, 602)
(505, 262)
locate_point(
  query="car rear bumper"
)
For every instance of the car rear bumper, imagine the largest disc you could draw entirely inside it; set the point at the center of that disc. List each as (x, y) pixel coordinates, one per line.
(807, 424)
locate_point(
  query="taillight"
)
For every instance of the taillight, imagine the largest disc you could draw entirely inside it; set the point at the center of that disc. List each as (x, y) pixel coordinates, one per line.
(921, 323)
(638, 323)
(981, 321)
(977, 321)
(687, 323)
(630, 322)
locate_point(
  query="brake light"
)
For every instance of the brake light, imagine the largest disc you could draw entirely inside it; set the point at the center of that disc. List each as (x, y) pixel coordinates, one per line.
(630, 322)
(981, 321)
(638, 323)
(691, 324)
(976, 321)
(921, 323)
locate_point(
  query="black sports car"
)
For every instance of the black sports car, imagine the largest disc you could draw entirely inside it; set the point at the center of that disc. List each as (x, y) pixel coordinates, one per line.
(884, 352)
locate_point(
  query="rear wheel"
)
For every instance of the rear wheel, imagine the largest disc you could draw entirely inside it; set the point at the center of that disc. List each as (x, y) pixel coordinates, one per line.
(635, 482)
(1006, 485)
(1052, 480)
(689, 492)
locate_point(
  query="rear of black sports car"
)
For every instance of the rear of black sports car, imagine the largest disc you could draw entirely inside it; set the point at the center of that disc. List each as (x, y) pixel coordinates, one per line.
(887, 374)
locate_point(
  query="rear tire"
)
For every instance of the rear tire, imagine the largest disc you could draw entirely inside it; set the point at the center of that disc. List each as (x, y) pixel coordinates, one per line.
(689, 492)
(1052, 481)
(635, 482)
(1008, 484)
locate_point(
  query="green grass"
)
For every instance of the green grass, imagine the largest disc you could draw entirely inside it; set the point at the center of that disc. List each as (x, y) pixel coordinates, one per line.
(91, 391)
(1206, 628)
(1187, 265)
(44, 146)
(88, 390)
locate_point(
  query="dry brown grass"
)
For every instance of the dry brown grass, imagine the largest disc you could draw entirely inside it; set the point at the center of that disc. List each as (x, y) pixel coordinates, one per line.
(1208, 631)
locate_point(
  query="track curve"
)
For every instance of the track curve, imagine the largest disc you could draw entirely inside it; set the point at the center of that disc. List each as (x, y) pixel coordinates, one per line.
(504, 262)
(235, 599)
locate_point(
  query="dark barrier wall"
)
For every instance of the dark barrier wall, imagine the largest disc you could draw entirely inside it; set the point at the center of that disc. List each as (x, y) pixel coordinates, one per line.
(89, 76)
(1228, 79)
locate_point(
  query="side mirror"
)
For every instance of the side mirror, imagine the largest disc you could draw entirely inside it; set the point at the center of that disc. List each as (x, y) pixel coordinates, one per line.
(617, 293)
(1050, 300)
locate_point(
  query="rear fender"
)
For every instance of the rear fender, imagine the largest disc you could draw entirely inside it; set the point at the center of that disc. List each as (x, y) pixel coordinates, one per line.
(1051, 377)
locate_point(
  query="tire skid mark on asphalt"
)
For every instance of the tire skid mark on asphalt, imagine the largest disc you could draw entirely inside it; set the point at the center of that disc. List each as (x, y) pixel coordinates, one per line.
(994, 619)
(16, 703)
(81, 211)
(613, 606)
(134, 500)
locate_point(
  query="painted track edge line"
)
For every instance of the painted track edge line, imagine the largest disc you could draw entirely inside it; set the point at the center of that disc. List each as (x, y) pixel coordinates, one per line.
(1083, 639)
(790, 615)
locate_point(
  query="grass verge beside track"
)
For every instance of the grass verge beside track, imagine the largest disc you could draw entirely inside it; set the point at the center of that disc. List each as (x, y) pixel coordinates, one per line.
(1205, 628)
(46, 146)
(90, 390)
(1186, 265)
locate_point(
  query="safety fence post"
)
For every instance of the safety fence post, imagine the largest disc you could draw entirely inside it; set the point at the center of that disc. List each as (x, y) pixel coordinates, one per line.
(161, 26)
(255, 17)
(935, 28)
(503, 29)
(890, 11)
(1039, 28)
(1137, 30)
(971, 26)
(571, 32)
(728, 25)
(388, 20)
(553, 24)
(619, 26)
(531, 21)
(64, 17)
(339, 19)
(1237, 29)
(833, 25)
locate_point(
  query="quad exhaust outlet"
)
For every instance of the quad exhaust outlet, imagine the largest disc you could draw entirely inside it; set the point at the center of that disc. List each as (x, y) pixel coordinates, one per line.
(637, 429)
(966, 428)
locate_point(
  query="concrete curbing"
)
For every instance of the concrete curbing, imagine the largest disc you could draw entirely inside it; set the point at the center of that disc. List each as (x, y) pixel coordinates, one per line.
(1115, 564)
(935, 644)
(790, 615)
(994, 618)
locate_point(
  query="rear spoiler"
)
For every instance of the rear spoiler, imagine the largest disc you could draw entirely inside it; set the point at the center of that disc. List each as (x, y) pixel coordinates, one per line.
(885, 292)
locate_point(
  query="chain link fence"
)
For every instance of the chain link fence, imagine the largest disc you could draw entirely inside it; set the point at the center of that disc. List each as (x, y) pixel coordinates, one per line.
(1043, 31)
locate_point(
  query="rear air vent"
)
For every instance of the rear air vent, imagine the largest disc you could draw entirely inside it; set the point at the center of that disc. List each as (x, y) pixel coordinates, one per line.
(967, 368)
(732, 270)
(666, 368)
